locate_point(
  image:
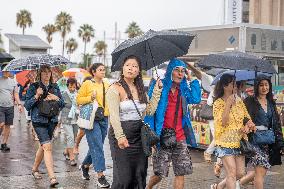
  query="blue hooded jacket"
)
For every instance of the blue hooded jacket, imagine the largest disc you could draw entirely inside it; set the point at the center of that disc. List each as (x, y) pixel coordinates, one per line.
(190, 94)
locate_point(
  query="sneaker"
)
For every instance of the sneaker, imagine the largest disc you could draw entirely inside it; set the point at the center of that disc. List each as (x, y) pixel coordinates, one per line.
(5, 148)
(73, 162)
(102, 182)
(85, 172)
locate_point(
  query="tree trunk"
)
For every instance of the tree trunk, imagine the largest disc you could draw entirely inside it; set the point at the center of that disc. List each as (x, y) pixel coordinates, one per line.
(63, 46)
(23, 30)
(85, 58)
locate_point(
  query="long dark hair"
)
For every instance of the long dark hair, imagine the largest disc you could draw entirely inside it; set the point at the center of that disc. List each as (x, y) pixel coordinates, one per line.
(42, 69)
(138, 81)
(269, 95)
(224, 81)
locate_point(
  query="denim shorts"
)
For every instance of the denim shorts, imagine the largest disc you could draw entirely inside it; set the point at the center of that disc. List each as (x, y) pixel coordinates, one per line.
(221, 151)
(44, 131)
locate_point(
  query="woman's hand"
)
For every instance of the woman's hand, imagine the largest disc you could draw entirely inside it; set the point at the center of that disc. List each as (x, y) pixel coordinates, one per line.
(51, 97)
(39, 92)
(251, 126)
(123, 143)
(93, 97)
(245, 129)
(159, 83)
(231, 100)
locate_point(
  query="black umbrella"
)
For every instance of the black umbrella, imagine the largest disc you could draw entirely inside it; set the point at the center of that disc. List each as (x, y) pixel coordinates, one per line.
(33, 62)
(5, 57)
(152, 48)
(236, 60)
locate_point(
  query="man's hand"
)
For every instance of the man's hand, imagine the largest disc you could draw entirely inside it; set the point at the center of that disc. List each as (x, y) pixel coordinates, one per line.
(20, 108)
(123, 143)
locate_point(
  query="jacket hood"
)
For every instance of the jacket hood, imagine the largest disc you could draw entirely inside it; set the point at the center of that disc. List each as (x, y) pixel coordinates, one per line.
(172, 65)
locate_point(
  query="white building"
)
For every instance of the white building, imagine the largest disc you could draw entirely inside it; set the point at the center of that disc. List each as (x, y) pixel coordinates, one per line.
(24, 45)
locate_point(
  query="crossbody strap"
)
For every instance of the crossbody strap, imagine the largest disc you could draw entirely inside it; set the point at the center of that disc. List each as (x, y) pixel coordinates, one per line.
(104, 93)
(177, 109)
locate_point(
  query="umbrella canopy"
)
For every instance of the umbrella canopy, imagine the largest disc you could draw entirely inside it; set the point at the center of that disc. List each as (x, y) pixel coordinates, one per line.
(72, 72)
(241, 75)
(5, 57)
(236, 60)
(35, 61)
(152, 48)
(24, 76)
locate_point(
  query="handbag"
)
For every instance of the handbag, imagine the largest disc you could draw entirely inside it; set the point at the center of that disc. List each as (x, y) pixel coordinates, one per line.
(168, 135)
(148, 137)
(263, 137)
(247, 148)
(100, 110)
(206, 112)
(48, 108)
(87, 115)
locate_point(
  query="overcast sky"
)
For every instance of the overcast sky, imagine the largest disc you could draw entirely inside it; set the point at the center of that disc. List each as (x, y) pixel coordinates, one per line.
(102, 15)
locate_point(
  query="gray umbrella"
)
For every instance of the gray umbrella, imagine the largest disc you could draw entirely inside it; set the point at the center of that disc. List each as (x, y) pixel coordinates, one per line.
(236, 60)
(35, 61)
(5, 57)
(152, 48)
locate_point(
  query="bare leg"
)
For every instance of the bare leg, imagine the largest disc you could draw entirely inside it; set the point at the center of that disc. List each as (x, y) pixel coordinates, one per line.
(78, 139)
(153, 181)
(260, 173)
(38, 158)
(5, 134)
(229, 163)
(179, 182)
(247, 178)
(48, 159)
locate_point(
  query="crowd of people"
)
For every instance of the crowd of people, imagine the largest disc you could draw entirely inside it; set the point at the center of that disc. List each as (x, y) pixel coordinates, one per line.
(121, 109)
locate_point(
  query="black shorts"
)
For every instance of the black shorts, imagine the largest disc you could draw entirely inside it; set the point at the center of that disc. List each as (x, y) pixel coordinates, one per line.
(7, 115)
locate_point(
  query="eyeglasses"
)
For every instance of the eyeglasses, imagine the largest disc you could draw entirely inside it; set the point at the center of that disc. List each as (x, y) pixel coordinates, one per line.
(180, 70)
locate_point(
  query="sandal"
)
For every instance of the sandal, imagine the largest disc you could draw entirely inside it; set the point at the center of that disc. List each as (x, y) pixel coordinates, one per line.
(53, 182)
(66, 156)
(36, 175)
(214, 186)
(207, 157)
(217, 170)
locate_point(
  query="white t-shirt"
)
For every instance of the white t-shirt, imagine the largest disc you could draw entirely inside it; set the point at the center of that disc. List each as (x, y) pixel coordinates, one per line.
(7, 88)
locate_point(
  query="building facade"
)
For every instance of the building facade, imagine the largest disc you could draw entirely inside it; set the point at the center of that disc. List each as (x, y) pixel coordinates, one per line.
(24, 45)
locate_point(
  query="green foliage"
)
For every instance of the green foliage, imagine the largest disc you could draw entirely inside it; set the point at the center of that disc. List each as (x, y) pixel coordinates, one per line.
(133, 30)
(24, 19)
(71, 45)
(100, 47)
(49, 29)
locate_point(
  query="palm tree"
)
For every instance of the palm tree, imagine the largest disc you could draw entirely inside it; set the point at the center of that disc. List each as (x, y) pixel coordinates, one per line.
(86, 32)
(24, 19)
(100, 48)
(63, 24)
(133, 30)
(71, 46)
(49, 29)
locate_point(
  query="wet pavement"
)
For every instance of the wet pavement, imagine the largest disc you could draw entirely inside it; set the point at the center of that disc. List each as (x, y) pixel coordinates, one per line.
(15, 167)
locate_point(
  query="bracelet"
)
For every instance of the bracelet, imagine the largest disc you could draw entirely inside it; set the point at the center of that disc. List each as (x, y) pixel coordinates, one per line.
(19, 104)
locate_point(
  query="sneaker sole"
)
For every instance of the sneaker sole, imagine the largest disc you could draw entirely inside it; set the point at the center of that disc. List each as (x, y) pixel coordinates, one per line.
(102, 186)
